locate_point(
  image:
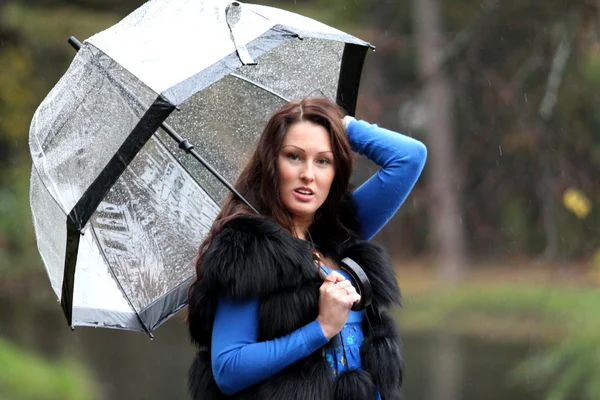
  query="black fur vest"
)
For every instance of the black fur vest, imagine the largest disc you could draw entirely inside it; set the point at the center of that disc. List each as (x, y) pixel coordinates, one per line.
(253, 256)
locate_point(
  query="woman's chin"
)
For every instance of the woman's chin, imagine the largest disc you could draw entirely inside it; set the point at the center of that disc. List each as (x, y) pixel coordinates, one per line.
(305, 212)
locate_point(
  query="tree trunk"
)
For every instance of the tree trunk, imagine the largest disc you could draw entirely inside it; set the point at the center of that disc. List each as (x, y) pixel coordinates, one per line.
(444, 207)
(547, 105)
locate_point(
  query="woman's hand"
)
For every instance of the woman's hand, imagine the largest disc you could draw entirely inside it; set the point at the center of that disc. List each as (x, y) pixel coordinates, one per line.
(346, 121)
(336, 296)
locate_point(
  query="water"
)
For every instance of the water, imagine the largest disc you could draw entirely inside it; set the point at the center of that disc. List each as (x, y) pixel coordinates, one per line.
(445, 367)
(128, 365)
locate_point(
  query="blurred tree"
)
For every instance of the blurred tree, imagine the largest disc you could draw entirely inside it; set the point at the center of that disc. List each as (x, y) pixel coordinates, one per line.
(444, 209)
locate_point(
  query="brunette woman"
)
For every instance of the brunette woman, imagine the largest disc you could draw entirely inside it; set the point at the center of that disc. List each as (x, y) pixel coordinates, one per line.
(266, 325)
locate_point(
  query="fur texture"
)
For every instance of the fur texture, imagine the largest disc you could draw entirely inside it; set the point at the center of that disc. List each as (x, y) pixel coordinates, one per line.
(354, 385)
(253, 256)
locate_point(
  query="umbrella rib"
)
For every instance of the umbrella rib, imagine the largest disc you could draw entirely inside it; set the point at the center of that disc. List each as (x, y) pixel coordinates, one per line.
(186, 146)
(258, 85)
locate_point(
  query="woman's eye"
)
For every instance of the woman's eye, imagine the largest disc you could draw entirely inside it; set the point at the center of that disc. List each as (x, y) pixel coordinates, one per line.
(293, 156)
(324, 161)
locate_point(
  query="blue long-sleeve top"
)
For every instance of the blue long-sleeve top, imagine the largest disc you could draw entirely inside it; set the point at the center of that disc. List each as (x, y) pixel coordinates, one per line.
(238, 359)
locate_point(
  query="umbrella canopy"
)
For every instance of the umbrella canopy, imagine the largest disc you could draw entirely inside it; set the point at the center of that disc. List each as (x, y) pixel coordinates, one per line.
(119, 207)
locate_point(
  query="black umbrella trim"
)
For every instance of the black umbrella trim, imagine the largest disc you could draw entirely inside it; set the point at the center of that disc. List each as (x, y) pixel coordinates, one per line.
(72, 249)
(350, 72)
(166, 305)
(141, 133)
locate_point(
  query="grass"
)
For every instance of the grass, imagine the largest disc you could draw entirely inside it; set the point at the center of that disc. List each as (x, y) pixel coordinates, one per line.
(501, 303)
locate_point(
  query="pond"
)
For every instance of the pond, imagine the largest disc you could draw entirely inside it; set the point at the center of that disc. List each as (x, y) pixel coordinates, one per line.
(128, 365)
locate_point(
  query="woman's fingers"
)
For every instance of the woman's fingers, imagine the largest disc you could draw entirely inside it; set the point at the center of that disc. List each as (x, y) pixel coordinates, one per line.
(340, 288)
(334, 277)
(344, 284)
(354, 298)
(350, 299)
(350, 290)
(332, 281)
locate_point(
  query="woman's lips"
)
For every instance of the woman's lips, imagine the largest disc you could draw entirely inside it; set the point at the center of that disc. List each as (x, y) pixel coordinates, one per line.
(302, 196)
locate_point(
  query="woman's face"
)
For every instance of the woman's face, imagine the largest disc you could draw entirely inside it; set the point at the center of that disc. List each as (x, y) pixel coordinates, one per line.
(306, 169)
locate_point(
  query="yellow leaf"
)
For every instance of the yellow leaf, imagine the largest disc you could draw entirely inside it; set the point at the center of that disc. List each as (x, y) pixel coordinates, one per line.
(577, 202)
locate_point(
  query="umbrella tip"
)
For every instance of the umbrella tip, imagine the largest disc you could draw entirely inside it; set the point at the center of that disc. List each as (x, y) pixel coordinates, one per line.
(76, 44)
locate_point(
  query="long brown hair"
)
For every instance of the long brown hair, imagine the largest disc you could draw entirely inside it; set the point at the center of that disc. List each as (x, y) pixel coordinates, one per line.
(259, 180)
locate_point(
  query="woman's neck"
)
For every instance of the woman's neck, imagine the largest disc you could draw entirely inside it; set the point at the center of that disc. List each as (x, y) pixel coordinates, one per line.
(301, 228)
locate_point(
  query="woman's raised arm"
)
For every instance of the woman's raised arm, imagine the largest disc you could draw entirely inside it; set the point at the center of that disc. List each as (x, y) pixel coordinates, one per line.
(401, 159)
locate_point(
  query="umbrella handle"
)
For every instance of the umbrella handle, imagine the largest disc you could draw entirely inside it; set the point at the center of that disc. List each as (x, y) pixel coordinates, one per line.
(361, 282)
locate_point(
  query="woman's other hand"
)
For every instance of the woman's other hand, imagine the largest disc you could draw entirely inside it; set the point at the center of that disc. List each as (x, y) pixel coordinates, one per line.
(336, 296)
(346, 121)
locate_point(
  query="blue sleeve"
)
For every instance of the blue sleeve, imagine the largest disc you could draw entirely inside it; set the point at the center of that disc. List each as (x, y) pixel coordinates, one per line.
(401, 159)
(239, 361)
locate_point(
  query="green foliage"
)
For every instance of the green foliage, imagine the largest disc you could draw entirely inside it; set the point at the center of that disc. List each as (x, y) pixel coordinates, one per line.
(43, 27)
(17, 99)
(569, 368)
(26, 376)
(43, 33)
(590, 67)
(17, 244)
(516, 224)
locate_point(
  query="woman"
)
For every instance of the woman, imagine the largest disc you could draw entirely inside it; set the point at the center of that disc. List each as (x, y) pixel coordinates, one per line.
(266, 325)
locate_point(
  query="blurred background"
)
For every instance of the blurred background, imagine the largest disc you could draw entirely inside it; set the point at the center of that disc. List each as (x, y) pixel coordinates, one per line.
(497, 248)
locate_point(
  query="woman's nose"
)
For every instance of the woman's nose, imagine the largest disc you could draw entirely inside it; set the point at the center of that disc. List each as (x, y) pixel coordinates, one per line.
(307, 173)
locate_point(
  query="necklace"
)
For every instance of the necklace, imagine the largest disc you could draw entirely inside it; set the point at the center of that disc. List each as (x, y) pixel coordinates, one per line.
(316, 254)
(317, 257)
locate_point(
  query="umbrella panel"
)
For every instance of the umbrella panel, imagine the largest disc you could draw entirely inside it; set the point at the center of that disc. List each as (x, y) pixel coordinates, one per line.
(299, 68)
(49, 222)
(149, 226)
(97, 298)
(82, 122)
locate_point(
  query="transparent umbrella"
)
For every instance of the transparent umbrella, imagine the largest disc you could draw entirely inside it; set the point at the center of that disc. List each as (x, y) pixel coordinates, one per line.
(120, 202)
